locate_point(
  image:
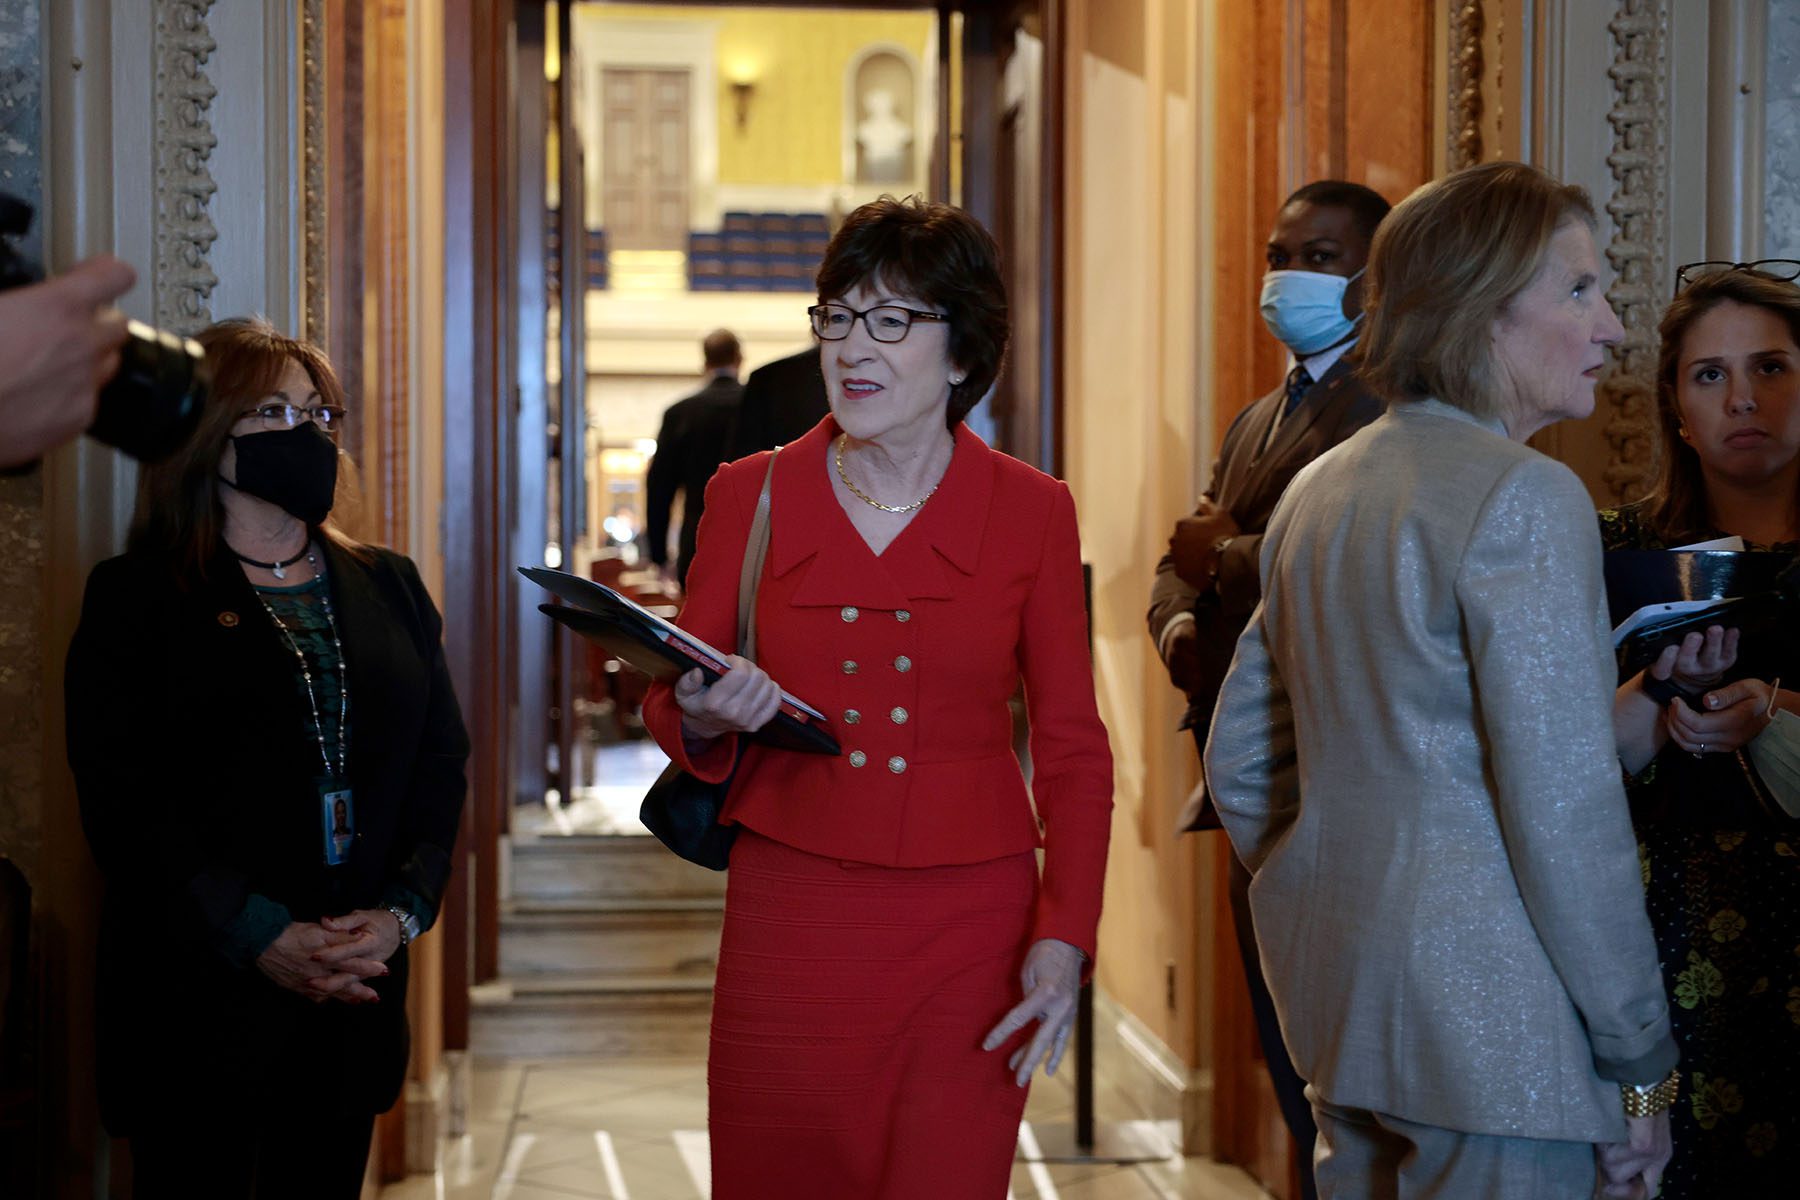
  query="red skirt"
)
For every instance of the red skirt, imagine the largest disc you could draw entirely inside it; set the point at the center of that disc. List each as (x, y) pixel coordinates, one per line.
(846, 1056)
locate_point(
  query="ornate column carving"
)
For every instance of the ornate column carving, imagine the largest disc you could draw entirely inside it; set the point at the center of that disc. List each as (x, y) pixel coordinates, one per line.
(313, 170)
(1639, 247)
(184, 280)
(1467, 28)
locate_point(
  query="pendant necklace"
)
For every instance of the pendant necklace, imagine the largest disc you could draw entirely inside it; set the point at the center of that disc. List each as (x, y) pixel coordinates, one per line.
(278, 569)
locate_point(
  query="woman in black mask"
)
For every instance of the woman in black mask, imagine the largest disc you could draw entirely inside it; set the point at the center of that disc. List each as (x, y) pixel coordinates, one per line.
(270, 765)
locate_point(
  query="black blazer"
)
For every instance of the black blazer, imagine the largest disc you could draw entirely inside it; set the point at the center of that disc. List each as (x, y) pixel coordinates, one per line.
(782, 401)
(196, 766)
(694, 439)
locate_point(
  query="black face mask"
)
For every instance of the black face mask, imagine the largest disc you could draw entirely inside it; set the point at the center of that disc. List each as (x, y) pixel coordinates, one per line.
(294, 469)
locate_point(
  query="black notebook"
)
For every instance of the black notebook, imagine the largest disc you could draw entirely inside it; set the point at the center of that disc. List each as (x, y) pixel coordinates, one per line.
(638, 637)
(1657, 597)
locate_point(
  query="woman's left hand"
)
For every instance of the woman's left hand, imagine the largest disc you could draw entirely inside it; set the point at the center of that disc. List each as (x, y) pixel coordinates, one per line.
(1732, 716)
(377, 937)
(1051, 979)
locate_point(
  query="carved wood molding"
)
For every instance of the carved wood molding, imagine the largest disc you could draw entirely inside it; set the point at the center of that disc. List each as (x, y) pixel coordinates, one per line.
(313, 170)
(1638, 250)
(1468, 25)
(184, 280)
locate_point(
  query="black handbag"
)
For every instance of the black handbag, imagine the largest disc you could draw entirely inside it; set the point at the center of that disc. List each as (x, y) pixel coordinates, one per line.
(680, 809)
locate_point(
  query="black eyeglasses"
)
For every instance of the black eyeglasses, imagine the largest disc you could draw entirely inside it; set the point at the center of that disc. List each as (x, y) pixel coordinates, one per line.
(885, 322)
(1785, 269)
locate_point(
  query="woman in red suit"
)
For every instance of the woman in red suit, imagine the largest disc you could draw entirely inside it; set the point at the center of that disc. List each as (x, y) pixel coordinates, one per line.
(893, 969)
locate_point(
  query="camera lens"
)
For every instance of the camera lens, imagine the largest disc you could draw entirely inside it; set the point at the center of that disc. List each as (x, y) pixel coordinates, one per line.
(152, 404)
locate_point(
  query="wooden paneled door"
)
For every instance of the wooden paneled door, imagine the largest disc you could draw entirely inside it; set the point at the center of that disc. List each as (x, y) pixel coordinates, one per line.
(644, 123)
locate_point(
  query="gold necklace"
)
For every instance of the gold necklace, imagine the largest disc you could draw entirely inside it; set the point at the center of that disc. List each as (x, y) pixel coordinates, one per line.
(843, 440)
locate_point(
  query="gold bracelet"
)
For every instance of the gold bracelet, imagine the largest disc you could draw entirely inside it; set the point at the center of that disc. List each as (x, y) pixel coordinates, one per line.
(1649, 1099)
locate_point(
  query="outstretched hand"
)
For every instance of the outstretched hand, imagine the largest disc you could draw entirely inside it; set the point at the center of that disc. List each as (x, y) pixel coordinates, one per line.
(1051, 979)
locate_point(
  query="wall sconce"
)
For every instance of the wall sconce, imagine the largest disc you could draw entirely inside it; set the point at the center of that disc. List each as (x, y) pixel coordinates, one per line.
(741, 91)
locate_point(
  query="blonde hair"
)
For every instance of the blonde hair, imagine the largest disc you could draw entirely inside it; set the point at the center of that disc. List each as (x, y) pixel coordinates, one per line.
(1446, 263)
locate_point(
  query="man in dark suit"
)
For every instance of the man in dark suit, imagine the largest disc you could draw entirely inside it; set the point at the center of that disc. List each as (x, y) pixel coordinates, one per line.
(694, 439)
(1207, 585)
(782, 400)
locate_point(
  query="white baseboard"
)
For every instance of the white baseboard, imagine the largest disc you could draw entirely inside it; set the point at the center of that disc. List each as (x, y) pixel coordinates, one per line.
(1151, 1077)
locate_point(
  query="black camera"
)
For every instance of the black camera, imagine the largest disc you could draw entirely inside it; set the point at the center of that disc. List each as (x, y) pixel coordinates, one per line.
(151, 405)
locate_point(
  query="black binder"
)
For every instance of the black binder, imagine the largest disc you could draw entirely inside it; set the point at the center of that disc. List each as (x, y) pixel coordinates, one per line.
(662, 650)
(1756, 592)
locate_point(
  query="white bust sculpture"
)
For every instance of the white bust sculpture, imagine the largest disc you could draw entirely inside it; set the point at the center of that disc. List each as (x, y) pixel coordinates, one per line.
(884, 138)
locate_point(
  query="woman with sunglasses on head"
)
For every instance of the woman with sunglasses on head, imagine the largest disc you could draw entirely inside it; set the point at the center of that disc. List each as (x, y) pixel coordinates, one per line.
(892, 969)
(1720, 862)
(269, 760)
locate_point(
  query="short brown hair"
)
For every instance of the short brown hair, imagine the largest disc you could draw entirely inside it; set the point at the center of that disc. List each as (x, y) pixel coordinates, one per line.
(179, 514)
(943, 256)
(720, 349)
(1445, 263)
(1676, 508)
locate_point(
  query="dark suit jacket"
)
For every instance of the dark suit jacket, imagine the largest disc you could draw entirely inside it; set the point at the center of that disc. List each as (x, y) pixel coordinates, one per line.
(1248, 481)
(195, 764)
(695, 438)
(782, 400)
(913, 655)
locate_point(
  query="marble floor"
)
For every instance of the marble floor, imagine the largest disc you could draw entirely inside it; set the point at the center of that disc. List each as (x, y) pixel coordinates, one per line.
(635, 1129)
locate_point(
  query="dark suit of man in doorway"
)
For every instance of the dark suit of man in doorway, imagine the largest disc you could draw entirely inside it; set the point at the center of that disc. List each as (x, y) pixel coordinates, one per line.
(782, 400)
(1207, 585)
(694, 439)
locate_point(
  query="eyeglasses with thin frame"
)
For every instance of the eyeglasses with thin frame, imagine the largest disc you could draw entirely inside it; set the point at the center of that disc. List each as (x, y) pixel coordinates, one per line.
(278, 414)
(885, 322)
(1785, 269)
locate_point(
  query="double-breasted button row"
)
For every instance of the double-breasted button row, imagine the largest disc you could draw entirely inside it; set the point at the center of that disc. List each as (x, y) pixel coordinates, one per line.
(897, 715)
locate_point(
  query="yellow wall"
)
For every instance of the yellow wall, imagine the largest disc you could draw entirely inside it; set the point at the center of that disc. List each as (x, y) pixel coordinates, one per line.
(798, 60)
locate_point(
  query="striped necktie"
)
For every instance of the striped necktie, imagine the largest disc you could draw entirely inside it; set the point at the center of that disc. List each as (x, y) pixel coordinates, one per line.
(1297, 382)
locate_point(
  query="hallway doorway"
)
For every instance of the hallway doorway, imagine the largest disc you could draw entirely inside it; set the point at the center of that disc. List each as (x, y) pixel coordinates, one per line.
(681, 168)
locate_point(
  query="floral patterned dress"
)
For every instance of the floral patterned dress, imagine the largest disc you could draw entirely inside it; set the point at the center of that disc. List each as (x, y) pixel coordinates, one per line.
(1722, 877)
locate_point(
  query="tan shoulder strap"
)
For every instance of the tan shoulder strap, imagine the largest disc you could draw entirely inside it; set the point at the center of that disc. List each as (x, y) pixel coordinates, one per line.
(756, 550)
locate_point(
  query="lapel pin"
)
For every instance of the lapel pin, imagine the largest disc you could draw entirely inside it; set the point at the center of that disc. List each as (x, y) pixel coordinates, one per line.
(228, 619)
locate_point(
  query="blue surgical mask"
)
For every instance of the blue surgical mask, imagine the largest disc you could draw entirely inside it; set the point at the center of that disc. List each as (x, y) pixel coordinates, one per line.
(1305, 309)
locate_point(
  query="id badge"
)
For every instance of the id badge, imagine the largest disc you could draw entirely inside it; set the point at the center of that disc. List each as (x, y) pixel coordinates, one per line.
(337, 813)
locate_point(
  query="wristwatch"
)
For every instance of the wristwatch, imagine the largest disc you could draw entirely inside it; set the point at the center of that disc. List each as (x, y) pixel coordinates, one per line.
(409, 924)
(1218, 553)
(1649, 1099)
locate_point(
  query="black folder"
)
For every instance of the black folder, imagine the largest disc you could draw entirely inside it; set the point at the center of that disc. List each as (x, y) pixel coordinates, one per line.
(1747, 591)
(662, 650)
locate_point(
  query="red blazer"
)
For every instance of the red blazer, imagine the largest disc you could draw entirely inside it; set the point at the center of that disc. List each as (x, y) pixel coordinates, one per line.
(914, 655)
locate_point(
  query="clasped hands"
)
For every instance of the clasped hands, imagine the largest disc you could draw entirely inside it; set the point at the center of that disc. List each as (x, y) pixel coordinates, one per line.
(1729, 717)
(1192, 545)
(329, 960)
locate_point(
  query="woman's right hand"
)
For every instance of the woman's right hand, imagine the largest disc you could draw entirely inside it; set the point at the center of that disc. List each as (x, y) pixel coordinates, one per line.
(1633, 1169)
(289, 963)
(742, 701)
(1700, 661)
